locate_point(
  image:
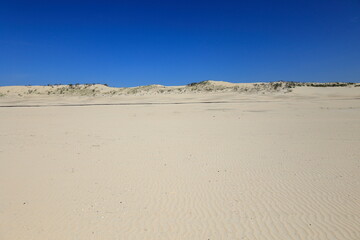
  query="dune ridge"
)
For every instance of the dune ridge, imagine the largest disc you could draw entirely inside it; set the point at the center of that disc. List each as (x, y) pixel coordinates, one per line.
(209, 86)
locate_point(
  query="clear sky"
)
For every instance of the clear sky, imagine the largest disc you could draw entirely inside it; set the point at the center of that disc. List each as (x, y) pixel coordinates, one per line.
(130, 43)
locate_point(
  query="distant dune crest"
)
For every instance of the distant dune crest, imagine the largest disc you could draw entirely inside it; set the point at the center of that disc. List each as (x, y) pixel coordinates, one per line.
(208, 86)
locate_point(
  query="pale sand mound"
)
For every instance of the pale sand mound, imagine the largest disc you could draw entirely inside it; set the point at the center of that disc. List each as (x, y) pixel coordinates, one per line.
(210, 86)
(191, 166)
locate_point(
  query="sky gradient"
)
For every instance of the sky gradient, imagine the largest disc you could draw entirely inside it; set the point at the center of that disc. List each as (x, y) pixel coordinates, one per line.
(131, 43)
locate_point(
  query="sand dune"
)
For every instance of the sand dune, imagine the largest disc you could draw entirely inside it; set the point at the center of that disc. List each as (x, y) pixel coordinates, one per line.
(209, 86)
(222, 164)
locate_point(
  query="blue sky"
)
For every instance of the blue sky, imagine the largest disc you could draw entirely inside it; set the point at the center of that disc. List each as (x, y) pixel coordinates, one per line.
(130, 43)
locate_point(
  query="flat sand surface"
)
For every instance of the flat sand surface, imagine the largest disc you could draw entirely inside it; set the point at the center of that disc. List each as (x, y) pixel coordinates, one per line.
(191, 166)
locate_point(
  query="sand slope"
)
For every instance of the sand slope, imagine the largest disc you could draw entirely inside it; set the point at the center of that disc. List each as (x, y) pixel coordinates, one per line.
(209, 86)
(191, 166)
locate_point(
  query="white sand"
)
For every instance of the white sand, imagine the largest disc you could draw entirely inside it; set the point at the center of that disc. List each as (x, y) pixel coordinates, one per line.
(277, 166)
